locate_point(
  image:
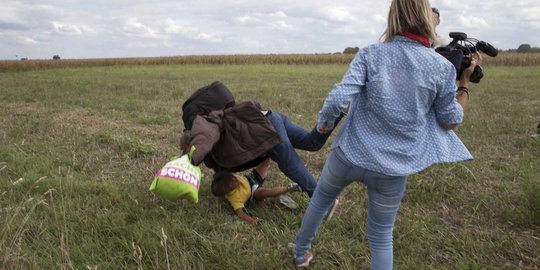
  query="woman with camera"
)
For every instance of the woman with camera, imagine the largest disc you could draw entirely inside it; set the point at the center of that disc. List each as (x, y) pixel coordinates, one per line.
(403, 104)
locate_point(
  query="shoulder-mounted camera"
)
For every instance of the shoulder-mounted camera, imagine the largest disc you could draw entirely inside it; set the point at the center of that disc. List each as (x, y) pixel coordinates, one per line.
(459, 51)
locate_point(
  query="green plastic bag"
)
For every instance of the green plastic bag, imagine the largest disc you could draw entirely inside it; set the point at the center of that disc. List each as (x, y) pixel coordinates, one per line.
(178, 179)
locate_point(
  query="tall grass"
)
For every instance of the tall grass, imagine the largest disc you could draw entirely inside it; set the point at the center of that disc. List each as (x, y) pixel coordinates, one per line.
(291, 59)
(513, 59)
(79, 148)
(504, 59)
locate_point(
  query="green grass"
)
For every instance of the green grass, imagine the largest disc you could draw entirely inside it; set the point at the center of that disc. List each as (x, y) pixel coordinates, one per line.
(79, 148)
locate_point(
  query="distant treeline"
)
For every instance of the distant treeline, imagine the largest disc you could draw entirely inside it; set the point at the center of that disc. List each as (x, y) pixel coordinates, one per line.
(531, 50)
(526, 48)
(504, 58)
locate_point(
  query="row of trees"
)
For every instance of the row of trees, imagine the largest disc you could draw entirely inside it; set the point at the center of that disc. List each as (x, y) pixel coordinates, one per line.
(526, 48)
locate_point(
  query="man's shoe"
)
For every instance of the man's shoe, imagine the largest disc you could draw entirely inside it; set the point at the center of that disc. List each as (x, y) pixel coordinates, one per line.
(287, 201)
(304, 262)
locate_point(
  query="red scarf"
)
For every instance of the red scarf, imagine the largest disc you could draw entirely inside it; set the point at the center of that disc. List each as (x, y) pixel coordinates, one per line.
(419, 38)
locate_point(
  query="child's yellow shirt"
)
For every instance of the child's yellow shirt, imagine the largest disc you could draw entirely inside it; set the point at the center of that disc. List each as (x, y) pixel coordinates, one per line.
(241, 194)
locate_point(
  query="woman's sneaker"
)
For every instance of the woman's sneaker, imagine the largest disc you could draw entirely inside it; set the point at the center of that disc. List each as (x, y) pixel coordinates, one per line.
(305, 262)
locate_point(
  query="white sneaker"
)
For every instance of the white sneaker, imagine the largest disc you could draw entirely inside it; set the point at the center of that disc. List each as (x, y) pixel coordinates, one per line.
(287, 201)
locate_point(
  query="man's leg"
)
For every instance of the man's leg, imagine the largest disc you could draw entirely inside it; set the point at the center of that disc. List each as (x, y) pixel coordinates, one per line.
(288, 161)
(302, 139)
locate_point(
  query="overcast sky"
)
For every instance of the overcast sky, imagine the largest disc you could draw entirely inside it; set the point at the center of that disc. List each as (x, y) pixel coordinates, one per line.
(136, 28)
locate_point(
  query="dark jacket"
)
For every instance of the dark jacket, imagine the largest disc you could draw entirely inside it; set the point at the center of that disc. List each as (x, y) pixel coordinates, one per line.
(235, 139)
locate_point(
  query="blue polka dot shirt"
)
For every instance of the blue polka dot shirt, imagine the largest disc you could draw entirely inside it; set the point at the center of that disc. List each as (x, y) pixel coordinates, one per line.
(399, 95)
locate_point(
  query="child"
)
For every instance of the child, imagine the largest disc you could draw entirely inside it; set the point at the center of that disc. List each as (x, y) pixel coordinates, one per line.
(240, 189)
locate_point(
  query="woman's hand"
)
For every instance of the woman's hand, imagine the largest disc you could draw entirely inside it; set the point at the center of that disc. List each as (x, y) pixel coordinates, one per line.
(476, 59)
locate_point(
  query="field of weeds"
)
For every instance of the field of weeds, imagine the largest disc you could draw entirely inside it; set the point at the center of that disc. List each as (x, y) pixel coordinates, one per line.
(80, 146)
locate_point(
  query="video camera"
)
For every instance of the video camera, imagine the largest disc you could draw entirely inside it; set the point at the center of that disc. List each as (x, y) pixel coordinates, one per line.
(459, 51)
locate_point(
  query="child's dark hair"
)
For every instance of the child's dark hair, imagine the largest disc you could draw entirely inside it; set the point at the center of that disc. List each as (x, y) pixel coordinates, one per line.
(223, 183)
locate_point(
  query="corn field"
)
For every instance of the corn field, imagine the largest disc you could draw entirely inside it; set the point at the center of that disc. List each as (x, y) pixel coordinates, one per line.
(503, 59)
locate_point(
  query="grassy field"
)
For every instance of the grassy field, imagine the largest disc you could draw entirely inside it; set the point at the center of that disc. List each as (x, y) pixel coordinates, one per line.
(79, 148)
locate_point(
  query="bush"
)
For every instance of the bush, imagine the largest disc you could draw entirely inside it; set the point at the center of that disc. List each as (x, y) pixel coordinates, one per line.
(351, 50)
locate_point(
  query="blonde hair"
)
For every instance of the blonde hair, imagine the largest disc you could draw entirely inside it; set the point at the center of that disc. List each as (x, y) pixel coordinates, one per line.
(413, 16)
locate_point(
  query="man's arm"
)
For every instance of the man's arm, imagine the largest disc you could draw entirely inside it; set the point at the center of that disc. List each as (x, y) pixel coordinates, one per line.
(203, 135)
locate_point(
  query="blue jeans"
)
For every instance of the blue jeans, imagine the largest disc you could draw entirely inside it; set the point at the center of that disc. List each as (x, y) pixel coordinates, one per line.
(295, 137)
(384, 196)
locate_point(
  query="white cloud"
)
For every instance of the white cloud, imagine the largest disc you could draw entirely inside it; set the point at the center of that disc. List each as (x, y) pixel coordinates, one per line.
(277, 20)
(170, 29)
(379, 18)
(472, 22)
(338, 14)
(280, 24)
(447, 4)
(279, 14)
(530, 17)
(102, 28)
(143, 44)
(529, 14)
(209, 38)
(71, 29)
(171, 26)
(16, 40)
(26, 40)
(132, 27)
(247, 19)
